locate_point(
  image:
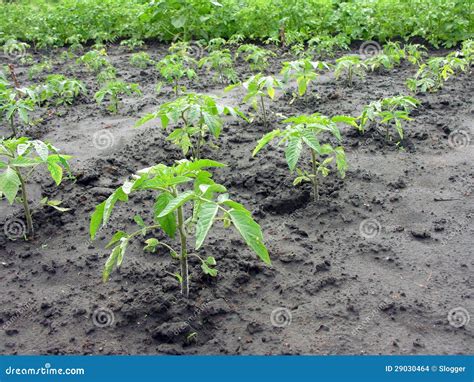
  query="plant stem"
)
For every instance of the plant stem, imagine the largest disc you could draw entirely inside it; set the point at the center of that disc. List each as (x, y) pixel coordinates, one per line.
(29, 220)
(12, 124)
(315, 174)
(264, 112)
(184, 254)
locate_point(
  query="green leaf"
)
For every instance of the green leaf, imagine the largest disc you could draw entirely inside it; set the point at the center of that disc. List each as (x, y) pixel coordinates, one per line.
(117, 236)
(177, 202)
(96, 219)
(112, 261)
(56, 171)
(208, 271)
(9, 184)
(151, 245)
(41, 149)
(251, 232)
(178, 22)
(267, 138)
(138, 219)
(206, 216)
(167, 222)
(293, 152)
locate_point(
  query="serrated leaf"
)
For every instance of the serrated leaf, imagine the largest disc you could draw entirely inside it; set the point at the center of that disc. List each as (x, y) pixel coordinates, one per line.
(96, 219)
(9, 184)
(41, 149)
(251, 233)
(56, 172)
(168, 222)
(293, 152)
(177, 202)
(206, 216)
(267, 138)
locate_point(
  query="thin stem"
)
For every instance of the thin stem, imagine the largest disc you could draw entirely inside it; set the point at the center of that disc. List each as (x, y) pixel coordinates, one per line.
(12, 125)
(24, 196)
(264, 112)
(184, 254)
(315, 175)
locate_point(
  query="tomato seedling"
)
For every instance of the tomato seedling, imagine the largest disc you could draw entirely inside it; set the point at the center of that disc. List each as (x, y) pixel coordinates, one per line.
(201, 119)
(59, 88)
(16, 101)
(303, 71)
(21, 154)
(221, 62)
(307, 130)
(258, 88)
(141, 60)
(437, 70)
(350, 66)
(255, 56)
(387, 110)
(113, 90)
(183, 184)
(94, 60)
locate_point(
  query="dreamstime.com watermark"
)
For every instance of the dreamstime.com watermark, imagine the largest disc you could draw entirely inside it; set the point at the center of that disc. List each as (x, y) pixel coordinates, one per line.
(23, 312)
(370, 317)
(44, 370)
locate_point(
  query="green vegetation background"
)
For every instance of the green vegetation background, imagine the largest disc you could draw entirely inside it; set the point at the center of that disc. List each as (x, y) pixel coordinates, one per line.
(55, 23)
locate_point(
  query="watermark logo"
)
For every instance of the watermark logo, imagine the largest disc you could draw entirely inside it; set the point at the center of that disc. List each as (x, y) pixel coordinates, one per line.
(280, 317)
(369, 49)
(369, 228)
(14, 229)
(459, 139)
(458, 317)
(103, 140)
(103, 317)
(195, 50)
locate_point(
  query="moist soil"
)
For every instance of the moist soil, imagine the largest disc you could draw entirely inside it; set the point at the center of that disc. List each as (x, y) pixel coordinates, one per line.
(375, 266)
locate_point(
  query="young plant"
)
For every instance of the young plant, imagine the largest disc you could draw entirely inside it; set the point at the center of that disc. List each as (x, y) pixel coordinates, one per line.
(215, 44)
(109, 73)
(141, 60)
(255, 56)
(16, 102)
(350, 66)
(387, 111)
(37, 69)
(61, 89)
(132, 43)
(113, 90)
(303, 71)
(95, 60)
(432, 74)
(258, 88)
(185, 184)
(467, 50)
(415, 53)
(220, 61)
(200, 118)
(176, 66)
(19, 158)
(306, 130)
(326, 46)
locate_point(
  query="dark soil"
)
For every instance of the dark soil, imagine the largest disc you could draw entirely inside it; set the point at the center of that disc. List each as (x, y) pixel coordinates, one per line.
(386, 292)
